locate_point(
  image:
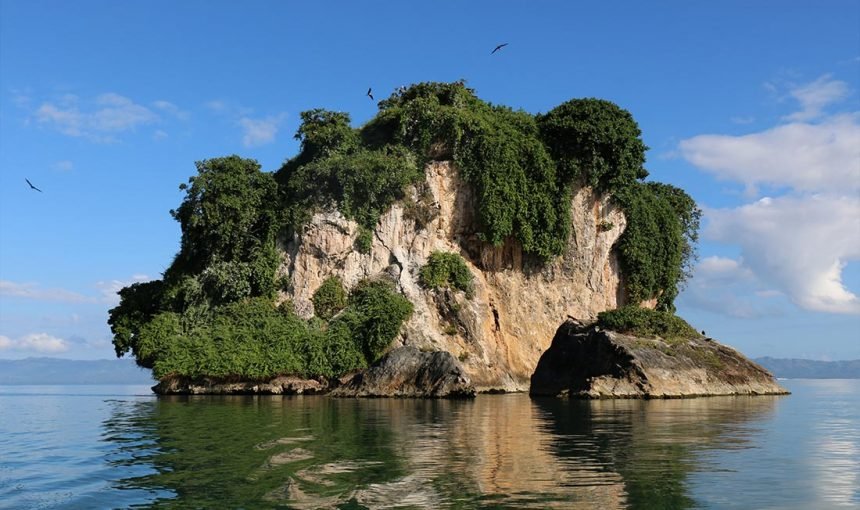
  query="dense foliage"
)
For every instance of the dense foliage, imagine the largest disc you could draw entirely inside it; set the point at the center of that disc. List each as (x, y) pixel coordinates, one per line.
(639, 321)
(213, 312)
(444, 269)
(253, 338)
(329, 298)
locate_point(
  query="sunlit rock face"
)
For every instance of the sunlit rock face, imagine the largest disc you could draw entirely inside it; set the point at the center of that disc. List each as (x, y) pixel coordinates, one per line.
(587, 362)
(499, 333)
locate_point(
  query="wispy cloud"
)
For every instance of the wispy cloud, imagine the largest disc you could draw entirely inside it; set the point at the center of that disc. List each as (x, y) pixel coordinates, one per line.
(260, 131)
(256, 131)
(108, 289)
(724, 285)
(34, 342)
(815, 96)
(172, 109)
(64, 166)
(100, 120)
(34, 291)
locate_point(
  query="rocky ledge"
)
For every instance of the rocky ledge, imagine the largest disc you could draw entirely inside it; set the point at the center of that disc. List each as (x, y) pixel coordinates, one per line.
(585, 361)
(409, 372)
(403, 372)
(282, 385)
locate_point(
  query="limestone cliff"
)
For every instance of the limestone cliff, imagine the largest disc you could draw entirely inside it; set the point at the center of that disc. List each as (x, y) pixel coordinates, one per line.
(499, 333)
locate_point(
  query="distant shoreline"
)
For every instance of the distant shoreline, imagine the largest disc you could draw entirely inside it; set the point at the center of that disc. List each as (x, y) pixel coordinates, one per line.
(57, 371)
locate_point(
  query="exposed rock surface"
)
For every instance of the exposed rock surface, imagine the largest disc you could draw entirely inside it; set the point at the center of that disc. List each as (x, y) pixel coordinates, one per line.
(499, 333)
(587, 362)
(284, 385)
(408, 372)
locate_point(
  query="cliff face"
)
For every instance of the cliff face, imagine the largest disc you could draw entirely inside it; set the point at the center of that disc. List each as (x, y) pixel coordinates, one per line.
(498, 334)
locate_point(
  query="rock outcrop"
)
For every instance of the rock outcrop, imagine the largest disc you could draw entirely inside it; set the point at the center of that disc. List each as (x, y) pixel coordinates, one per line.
(283, 385)
(501, 331)
(587, 362)
(408, 372)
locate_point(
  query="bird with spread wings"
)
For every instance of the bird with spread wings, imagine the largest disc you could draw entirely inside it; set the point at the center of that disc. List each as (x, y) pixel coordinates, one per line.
(31, 185)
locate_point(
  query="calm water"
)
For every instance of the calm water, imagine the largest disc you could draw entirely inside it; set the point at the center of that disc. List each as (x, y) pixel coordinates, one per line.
(119, 447)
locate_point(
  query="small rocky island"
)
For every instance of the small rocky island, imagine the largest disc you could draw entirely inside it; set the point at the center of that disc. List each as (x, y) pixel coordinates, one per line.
(433, 252)
(586, 361)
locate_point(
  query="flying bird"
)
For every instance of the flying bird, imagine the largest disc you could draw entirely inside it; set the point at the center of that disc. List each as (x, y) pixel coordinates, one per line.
(370, 94)
(31, 185)
(497, 48)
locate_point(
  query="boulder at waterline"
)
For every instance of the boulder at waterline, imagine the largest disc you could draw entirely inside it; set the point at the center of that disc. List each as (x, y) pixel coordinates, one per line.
(409, 372)
(585, 361)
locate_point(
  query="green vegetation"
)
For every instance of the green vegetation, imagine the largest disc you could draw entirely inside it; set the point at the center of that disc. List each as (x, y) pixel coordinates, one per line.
(329, 298)
(445, 269)
(254, 339)
(637, 321)
(213, 312)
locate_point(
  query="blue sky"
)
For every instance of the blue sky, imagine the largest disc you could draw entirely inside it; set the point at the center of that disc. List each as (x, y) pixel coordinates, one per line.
(752, 107)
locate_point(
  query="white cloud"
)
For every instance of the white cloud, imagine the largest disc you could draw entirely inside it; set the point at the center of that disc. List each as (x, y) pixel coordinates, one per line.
(159, 135)
(108, 115)
(34, 342)
(814, 97)
(796, 244)
(806, 157)
(34, 291)
(260, 131)
(107, 291)
(743, 120)
(109, 288)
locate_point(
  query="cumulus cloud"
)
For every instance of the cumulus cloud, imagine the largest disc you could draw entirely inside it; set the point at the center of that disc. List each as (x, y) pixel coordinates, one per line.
(34, 291)
(34, 342)
(803, 156)
(108, 115)
(260, 131)
(798, 244)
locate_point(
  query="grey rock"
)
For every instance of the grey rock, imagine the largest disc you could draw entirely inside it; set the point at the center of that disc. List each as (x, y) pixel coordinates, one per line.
(282, 385)
(408, 372)
(587, 362)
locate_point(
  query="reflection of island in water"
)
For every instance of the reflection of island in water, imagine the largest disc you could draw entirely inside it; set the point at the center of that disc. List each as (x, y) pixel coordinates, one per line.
(497, 451)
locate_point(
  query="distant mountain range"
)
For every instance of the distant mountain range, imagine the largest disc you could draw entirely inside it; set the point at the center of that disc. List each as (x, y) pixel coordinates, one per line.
(66, 371)
(811, 369)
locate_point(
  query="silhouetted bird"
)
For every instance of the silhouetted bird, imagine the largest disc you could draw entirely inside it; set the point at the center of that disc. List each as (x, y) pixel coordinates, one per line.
(369, 94)
(31, 185)
(497, 48)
